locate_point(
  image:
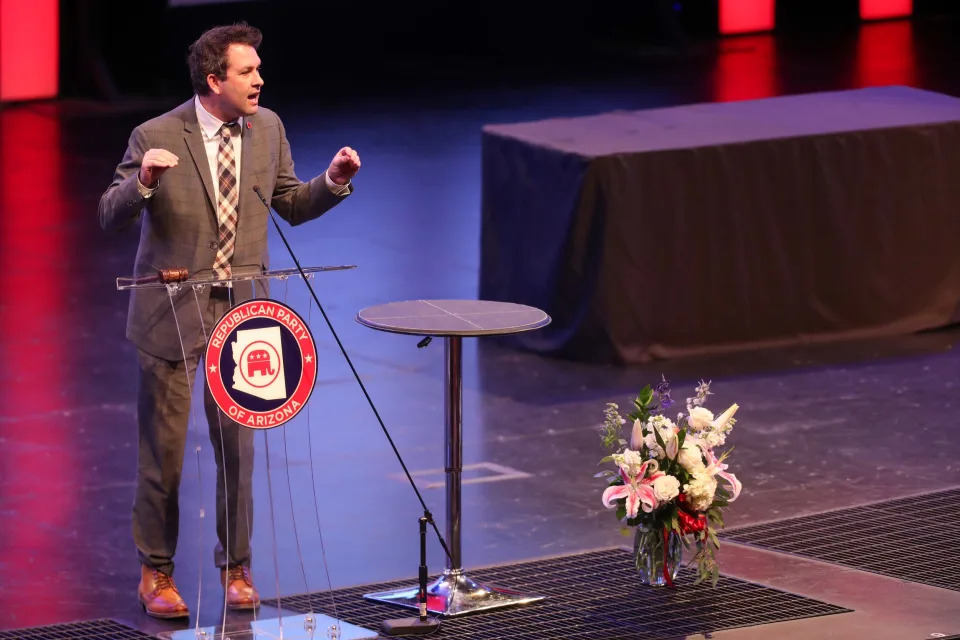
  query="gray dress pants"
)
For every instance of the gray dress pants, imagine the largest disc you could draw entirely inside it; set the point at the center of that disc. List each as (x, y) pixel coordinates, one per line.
(163, 413)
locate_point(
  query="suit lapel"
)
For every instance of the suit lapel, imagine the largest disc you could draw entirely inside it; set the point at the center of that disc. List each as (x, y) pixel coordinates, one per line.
(193, 137)
(248, 176)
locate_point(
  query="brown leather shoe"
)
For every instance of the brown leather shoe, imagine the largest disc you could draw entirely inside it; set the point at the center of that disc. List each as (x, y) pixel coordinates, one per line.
(158, 595)
(237, 582)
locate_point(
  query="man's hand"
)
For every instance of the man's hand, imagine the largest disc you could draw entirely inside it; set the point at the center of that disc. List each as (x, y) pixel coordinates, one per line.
(343, 166)
(155, 162)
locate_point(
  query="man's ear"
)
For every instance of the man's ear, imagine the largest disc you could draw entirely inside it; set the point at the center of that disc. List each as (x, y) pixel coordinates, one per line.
(214, 83)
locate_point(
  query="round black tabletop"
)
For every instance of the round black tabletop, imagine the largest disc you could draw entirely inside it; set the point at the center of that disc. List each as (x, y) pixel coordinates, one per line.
(453, 317)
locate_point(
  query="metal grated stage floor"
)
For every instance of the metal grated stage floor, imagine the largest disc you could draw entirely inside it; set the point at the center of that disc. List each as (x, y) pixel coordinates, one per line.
(86, 630)
(592, 595)
(905, 538)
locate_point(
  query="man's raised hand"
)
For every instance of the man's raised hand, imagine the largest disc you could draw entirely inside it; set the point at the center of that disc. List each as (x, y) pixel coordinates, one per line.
(155, 162)
(344, 166)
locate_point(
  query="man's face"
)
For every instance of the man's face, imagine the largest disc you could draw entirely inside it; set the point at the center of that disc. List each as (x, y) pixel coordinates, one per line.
(239, 93)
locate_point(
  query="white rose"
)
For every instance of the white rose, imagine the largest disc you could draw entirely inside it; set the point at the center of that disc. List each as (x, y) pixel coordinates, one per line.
(700, 418)
(690, 457)
(666, 488)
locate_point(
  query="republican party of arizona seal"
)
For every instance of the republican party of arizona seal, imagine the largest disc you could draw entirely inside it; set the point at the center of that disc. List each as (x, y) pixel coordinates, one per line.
(261, 363)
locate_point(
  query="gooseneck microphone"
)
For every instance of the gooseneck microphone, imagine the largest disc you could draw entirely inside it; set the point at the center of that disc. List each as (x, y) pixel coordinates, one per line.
(428, 517)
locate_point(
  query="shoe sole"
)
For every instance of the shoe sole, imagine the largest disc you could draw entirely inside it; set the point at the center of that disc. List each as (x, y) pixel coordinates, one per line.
(244, 607)
(162, 616)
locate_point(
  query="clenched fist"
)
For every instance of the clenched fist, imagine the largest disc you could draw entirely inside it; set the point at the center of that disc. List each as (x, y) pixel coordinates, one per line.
(155, 162)
(344, 166)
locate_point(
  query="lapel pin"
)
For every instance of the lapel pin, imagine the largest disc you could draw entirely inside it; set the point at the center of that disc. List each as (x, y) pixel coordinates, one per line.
(249, 125)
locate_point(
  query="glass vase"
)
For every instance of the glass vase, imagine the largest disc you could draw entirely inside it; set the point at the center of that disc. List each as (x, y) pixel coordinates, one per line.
(651, 552)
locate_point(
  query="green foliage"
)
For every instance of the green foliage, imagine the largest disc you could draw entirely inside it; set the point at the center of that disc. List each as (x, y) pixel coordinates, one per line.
(642, 403)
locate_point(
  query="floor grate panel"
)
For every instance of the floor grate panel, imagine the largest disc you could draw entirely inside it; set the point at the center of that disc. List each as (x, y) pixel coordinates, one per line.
(590, 596)
(86, 630)
(906, 538)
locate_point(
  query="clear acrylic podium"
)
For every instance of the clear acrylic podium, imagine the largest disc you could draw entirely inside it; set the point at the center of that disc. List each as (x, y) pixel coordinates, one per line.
(311, 626)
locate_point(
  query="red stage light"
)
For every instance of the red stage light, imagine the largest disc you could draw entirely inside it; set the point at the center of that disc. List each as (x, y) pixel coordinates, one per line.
(746, 16)
(29, 49)
(880, 9)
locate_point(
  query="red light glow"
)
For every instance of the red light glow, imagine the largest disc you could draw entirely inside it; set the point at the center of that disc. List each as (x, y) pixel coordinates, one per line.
(40, 482)
(881, 9)
(886, 54)
(746, 69)
(746, 16)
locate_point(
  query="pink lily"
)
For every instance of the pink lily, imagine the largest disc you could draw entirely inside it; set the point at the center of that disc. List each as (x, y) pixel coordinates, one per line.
(638, 491)
(636, 436)
(717, 468)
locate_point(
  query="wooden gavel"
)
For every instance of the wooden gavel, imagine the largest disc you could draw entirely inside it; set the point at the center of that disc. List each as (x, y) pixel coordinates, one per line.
(164, 276)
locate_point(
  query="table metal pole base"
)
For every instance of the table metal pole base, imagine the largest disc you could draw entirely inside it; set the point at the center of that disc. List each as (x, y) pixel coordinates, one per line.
(453, 594)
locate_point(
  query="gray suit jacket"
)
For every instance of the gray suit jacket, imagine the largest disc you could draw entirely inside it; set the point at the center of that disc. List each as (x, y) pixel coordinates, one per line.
(179, 222)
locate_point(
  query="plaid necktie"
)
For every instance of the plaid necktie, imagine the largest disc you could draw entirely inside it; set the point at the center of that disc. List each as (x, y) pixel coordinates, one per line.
(227, 203)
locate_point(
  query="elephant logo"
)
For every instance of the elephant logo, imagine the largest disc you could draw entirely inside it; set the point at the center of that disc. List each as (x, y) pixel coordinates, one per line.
(258, 361)
(259, 364)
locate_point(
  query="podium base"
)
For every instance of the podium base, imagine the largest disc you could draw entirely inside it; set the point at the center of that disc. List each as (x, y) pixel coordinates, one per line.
(316, 626)
(453, 594)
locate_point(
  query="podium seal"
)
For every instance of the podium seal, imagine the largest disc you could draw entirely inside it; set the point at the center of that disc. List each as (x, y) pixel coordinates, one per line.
(261, 363)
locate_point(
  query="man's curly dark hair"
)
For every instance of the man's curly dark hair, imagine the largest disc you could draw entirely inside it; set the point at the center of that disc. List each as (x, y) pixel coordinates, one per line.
(209, 53)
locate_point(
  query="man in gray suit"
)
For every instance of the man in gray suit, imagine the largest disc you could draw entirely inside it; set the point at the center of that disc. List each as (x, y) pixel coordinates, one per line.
(188, 177)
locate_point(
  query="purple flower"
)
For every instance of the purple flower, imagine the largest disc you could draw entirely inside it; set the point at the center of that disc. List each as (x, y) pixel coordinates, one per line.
(662, 394)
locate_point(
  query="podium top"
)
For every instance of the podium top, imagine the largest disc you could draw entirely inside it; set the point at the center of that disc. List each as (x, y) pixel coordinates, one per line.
(206, 278)
(453, 317)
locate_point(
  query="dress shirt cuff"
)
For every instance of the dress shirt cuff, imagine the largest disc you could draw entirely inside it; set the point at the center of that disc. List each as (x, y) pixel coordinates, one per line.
(337, 189)
(146, 192)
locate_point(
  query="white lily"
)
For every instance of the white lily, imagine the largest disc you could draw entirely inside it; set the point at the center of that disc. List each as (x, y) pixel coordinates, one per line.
(672, 443)
(721, 421)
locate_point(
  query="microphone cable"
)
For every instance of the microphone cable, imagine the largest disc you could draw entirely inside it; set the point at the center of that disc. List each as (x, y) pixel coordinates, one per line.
(356, 375)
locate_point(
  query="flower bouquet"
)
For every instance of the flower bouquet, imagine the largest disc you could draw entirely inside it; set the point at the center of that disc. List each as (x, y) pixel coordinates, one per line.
(669, 484)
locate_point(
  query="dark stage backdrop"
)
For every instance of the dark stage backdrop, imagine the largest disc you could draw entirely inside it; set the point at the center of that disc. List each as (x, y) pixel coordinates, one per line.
(115, 49)
(141, 50)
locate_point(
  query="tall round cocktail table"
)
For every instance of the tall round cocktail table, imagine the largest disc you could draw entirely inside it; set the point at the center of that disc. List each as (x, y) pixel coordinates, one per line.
(453, 593)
